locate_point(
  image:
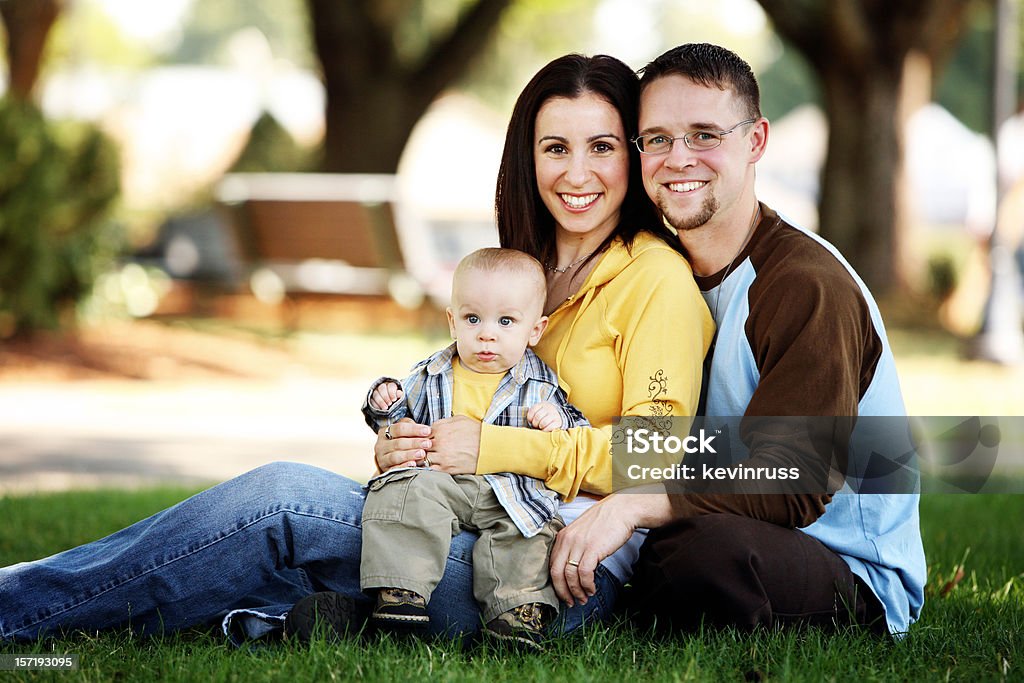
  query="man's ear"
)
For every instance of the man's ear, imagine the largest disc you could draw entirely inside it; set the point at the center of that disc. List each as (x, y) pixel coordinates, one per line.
(759, 140)
(451, 322)
(538, 330)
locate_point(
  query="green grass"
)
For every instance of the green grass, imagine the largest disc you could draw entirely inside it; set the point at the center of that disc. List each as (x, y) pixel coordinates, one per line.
(974, 632)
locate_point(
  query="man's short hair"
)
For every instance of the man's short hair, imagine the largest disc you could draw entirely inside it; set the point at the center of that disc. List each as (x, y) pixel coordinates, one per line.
(497, 259)
(711, 66)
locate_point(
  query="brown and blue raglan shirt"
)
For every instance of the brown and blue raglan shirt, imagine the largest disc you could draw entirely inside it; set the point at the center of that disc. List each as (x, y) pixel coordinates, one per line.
(800, 335)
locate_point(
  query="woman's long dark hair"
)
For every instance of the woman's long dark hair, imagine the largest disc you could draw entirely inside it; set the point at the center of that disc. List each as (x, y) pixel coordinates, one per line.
(524, 222)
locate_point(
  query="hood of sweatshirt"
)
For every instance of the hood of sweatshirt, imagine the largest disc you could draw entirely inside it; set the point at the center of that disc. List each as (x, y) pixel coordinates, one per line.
(615, 259)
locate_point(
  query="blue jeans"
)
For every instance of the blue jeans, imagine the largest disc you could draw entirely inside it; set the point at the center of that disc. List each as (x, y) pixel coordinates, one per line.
(247, 549)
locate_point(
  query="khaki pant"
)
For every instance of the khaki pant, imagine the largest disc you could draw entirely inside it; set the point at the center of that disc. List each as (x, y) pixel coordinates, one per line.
(410, 518)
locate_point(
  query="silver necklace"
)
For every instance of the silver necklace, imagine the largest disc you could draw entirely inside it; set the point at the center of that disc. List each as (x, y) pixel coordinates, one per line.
(728, 269)
(556, 269)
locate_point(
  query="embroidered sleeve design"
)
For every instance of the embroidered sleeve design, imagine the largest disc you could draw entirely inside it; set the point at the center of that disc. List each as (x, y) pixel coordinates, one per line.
(657, 388)
(659, 417)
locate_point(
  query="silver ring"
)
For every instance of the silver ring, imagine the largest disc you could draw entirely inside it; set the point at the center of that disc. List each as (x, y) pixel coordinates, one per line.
(426, 461)
(573, 563)
(387, 433)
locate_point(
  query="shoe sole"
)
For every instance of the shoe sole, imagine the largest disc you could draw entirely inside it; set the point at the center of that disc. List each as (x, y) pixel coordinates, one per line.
(401, 618)
(332, 612)
(401, 625)
(518, 642)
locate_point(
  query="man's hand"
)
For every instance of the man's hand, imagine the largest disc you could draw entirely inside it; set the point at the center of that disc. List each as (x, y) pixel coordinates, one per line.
(456, 445)
(544, 416)
(407, 446)
(385, 395)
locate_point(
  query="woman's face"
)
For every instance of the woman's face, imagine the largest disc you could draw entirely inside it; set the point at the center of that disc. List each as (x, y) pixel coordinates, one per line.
(581, 159)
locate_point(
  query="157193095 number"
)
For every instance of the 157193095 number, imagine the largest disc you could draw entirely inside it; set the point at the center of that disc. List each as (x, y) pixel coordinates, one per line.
(37, 662)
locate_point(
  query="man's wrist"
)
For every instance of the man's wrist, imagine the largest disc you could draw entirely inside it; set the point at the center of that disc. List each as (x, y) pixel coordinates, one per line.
(647, 509)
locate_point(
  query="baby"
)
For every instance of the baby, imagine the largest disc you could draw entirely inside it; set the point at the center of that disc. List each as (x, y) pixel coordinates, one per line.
(411, 514)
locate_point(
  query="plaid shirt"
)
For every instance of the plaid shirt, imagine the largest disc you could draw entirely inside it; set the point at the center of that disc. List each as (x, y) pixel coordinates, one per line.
(428, 398)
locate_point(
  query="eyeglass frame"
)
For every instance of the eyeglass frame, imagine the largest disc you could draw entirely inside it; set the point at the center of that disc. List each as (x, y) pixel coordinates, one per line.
(685, 137)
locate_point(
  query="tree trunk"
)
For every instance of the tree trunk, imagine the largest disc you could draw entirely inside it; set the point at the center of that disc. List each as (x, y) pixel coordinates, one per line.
(916, 93)
(375, 95)
(859, 49)
(28, 23)
(367, 133)
(858, 205)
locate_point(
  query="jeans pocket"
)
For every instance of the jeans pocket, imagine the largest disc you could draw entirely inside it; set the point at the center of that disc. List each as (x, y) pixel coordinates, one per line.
(385, 501)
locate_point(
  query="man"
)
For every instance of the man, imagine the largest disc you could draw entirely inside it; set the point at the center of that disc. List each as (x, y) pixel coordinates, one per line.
(798, 335)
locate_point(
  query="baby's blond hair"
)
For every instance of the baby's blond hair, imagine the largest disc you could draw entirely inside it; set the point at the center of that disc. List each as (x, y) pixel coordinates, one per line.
(496, 259)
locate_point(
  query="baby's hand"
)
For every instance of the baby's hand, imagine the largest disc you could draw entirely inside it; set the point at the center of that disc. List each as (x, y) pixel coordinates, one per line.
(385, 395)
(544, 416)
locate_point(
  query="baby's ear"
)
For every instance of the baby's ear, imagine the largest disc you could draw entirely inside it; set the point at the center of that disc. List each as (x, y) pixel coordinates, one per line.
(451, 322)
(538, 330)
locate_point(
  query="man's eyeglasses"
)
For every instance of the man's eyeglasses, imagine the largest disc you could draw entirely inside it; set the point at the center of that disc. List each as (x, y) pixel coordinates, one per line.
(697, 140)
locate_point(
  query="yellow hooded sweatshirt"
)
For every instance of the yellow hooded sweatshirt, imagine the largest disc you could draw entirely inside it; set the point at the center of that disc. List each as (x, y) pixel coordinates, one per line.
(631, 341)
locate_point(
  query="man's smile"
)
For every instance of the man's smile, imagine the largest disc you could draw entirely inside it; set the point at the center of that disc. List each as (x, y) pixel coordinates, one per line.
(688, 186)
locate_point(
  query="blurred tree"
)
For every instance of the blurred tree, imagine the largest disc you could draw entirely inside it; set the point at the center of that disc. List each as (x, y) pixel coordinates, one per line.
(384, 62)
(787, 83)
(27, 23)
(58, 182)
(530, 34)
(874, 60)
(271, 148)
(205, 38)
(86, 36)
(961, 88)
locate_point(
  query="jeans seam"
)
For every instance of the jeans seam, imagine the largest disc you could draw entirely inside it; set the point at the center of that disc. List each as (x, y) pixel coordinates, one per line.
(206, 545)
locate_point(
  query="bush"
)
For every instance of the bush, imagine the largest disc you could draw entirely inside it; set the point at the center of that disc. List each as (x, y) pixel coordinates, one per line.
(58, 184)
(271, 148)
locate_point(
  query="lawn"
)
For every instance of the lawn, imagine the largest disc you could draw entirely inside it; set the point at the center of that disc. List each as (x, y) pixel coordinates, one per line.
(972, 628)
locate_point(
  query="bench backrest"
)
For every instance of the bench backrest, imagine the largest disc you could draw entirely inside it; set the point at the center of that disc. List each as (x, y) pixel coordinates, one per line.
(282, 217)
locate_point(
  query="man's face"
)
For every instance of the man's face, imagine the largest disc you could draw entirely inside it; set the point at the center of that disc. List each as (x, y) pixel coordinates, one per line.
(494, 317)
(691, 188)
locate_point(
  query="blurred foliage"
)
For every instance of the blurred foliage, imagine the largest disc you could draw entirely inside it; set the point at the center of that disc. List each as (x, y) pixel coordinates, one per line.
(965, 85)
(271, 148)
(85, 35)
(787, 83)
(530, 34)
(418, 24)
(209, 27)
(58, 183)
(942, 275)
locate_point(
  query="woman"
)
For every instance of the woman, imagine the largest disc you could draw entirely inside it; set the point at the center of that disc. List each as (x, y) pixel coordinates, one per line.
(628, 333)
(627, 330)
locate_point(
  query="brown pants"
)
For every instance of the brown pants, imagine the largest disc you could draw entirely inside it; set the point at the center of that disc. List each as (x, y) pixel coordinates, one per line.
(728, 570)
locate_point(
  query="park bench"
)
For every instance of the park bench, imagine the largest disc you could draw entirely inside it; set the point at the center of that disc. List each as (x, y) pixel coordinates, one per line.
(323, 233)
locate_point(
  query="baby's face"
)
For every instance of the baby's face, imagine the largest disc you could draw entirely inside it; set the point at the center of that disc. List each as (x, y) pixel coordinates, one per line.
(494, 316)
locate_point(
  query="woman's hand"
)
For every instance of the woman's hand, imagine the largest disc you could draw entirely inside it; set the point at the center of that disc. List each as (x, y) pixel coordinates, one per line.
(456, 446)
(406, 447)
